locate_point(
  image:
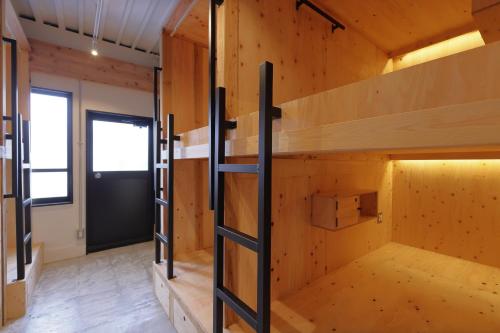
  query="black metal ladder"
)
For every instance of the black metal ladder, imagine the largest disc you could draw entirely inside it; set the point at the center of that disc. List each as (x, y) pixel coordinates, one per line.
(261, 318)
(21, 171)
(160, 237)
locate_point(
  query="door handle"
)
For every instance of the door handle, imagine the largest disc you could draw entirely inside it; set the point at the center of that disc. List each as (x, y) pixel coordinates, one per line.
(97, 175)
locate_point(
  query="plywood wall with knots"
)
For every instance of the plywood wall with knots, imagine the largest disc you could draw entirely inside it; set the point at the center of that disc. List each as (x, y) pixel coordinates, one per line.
(184, 93)
(450, 207)
(307, 56)
(301, 252)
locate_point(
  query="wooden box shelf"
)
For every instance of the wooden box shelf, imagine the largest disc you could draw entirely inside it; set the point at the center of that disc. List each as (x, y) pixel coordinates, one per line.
(335, 211)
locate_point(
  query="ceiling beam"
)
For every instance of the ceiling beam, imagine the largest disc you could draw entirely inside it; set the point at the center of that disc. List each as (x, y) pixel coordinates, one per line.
(105, 7)
(60, 14)
(81, 10)
(164, 19)
(147, 16)
(36, 10)
(128, 9)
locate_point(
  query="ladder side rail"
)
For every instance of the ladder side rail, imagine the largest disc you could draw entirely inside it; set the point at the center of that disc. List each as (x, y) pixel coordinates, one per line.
(26, 178)
(219, 158)
(170, 191)
(157, 159)
(264, 199)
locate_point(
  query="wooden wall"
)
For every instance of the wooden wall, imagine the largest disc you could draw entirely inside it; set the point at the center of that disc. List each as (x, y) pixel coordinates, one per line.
(184, 93)
(58, 60)
(451, 207)
(301, 252)
(308, 57)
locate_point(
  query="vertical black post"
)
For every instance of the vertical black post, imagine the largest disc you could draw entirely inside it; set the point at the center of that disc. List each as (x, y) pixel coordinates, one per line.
(264, 198)
(157, 159)
(16, 162)
(220, 117)
(212, 67)
(26, 176)
(170, 191)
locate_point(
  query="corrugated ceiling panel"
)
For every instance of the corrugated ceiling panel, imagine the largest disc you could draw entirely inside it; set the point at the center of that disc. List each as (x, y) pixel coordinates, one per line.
(70, 10)
(134, 21)
(113, 20)
(47, 10)
(22, 7)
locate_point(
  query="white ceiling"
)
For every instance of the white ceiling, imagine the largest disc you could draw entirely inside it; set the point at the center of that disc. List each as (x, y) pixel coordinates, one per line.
(130, 30)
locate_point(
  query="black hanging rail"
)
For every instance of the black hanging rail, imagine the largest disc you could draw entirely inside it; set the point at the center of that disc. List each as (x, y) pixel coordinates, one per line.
(21, 171)
(335, 24)
(161, 238)
(260, 319)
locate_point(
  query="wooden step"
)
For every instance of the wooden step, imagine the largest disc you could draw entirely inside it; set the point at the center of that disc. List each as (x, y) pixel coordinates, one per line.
(19, 293)
(188, 298)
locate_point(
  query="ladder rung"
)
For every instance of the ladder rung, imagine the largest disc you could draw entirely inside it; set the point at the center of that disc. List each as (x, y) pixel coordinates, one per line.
(239, 168)
(161, 202)
(27, 202)
(243, 310)
(161, 165)
(7, 118)
(163, 141)
(27, 238)
(162, 238)
(236, 236)
(8, 196)
(8, 136)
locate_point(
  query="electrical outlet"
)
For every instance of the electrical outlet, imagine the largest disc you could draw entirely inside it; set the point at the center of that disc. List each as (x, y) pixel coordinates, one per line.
(380, 217)
(80, 234)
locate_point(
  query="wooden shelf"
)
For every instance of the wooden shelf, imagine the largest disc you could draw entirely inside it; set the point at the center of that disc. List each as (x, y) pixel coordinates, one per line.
(396, 288)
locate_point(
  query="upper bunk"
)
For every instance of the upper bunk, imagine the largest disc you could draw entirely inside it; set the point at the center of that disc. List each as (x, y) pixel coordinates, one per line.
(451, 104)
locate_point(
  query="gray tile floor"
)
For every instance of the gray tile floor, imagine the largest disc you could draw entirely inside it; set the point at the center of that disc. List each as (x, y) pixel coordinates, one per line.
(109, 291)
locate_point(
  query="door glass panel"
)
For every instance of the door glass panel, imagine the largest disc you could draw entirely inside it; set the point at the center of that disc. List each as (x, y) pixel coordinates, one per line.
(49, 184)
(49, 131)
(119, 146)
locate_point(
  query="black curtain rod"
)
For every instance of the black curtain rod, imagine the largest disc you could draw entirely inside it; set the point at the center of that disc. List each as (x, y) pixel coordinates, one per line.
(335, 24)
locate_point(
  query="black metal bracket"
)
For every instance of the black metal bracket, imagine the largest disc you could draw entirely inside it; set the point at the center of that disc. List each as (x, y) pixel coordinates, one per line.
(231, 124)
(276, 113)
(335, 24)
(219, 2)
(8, 118)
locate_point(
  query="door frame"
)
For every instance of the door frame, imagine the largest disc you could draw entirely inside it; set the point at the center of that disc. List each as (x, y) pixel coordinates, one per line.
(114, 117)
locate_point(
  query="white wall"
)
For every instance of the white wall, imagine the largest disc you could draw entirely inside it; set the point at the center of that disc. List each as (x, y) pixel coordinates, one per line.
(57, 226)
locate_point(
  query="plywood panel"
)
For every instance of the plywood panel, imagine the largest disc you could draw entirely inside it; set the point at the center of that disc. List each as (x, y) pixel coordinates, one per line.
(396, 289)
(308, 58)
(57, 60)
(302, 253)
(194, 27)
(487, 17)
(24, 84)
(449, 207)
(397, 24)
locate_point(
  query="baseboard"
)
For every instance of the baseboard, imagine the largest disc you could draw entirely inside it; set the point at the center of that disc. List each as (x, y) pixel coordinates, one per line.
(62, 253)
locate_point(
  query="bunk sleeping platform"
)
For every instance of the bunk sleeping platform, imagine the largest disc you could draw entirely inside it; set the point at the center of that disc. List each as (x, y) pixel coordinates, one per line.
(449, 104)
(384, 208)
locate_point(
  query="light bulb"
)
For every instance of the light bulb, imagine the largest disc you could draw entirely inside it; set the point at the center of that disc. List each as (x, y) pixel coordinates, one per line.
(94, 52)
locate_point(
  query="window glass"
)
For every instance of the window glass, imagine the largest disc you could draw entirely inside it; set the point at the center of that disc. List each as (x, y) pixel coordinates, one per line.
(119, 146)
(49, 184)
(49, 131)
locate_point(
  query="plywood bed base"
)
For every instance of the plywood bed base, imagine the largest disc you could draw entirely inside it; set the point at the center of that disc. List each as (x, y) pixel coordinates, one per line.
(396, 288)
(452, 102)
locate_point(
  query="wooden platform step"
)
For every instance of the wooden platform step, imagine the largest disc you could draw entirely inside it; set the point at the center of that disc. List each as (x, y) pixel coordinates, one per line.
(396, 288)
(187, 299)
(18, 293)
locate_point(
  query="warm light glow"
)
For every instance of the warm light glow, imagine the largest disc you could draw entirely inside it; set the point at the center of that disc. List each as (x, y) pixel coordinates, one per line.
(94, 52)
(442, 49)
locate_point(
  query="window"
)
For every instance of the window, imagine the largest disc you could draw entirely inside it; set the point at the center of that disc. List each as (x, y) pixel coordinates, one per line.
(51, 147)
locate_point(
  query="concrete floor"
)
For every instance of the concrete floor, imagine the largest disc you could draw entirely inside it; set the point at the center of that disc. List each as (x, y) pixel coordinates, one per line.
(108, 291)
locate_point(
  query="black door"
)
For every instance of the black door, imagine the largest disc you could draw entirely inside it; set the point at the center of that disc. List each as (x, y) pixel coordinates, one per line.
(119, 180)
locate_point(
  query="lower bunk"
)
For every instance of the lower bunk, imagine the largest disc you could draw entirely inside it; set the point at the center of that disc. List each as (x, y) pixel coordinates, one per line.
(396, 288)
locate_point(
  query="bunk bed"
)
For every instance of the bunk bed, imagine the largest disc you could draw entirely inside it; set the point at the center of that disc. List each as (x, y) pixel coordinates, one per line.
(433, 106)
(387, 286)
